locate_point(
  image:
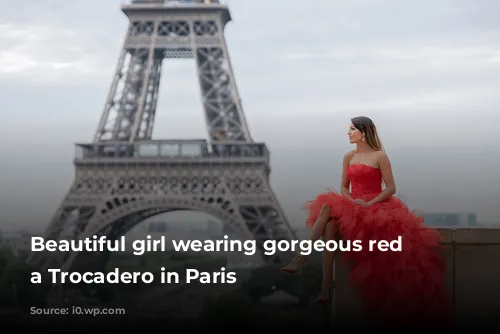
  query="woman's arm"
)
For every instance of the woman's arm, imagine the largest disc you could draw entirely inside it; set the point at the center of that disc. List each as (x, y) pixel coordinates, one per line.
(388, 177)
(344, 187)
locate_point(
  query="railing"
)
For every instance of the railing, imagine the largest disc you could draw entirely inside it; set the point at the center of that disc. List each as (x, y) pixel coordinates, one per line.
(172, 149)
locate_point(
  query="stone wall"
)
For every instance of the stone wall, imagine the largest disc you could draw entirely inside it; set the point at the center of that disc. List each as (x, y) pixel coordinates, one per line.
(473, 274)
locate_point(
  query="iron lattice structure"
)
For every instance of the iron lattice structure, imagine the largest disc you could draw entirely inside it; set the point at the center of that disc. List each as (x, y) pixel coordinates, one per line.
(124, 176)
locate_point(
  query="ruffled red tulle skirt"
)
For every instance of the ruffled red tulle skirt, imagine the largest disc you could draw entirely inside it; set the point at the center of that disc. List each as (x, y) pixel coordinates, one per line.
(404, 285)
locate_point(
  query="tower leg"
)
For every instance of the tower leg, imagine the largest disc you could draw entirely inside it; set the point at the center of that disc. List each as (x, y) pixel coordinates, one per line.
(221, 101)
(131, 105)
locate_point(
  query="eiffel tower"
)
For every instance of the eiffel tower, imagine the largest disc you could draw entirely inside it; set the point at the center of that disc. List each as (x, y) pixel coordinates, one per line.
(124, 176)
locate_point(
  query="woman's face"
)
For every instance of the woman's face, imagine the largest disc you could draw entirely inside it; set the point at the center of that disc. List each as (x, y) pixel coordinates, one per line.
(354, 134)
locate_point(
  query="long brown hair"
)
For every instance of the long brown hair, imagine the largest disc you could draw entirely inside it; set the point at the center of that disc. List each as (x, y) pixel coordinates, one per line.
(366, 126)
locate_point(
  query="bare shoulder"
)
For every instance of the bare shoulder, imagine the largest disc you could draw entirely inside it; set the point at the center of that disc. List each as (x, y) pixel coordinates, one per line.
(348, 156)
(382, 157)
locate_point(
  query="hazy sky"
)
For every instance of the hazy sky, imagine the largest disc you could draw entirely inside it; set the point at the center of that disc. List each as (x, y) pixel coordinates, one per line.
(427, 71)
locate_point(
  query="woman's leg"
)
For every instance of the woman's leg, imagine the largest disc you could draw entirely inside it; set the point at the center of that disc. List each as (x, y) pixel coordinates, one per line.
(317, 231)
(319, 226)
(328, 284)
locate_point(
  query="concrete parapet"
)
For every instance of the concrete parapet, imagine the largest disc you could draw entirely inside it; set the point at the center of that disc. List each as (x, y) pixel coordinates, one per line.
(473, 274)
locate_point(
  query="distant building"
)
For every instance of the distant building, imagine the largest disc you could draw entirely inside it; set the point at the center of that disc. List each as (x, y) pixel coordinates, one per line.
(493, 225)
(16, 241)
(450, 219)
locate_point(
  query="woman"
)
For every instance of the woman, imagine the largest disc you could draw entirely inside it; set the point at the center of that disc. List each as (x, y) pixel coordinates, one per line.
(409, 283)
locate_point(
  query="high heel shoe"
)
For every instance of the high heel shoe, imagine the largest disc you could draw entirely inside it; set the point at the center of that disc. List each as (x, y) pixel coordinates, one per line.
(289, 269)
(324, 298)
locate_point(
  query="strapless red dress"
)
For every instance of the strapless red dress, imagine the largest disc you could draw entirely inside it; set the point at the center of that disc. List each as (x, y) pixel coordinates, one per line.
(398, 285)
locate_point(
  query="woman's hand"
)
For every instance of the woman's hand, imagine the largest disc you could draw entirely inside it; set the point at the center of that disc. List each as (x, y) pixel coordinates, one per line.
(361, 202)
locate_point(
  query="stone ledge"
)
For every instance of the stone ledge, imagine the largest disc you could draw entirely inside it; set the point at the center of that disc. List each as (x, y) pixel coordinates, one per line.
(473, 274)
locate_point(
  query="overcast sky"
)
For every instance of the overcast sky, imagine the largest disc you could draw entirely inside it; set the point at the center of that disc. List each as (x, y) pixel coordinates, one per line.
(427, 71)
